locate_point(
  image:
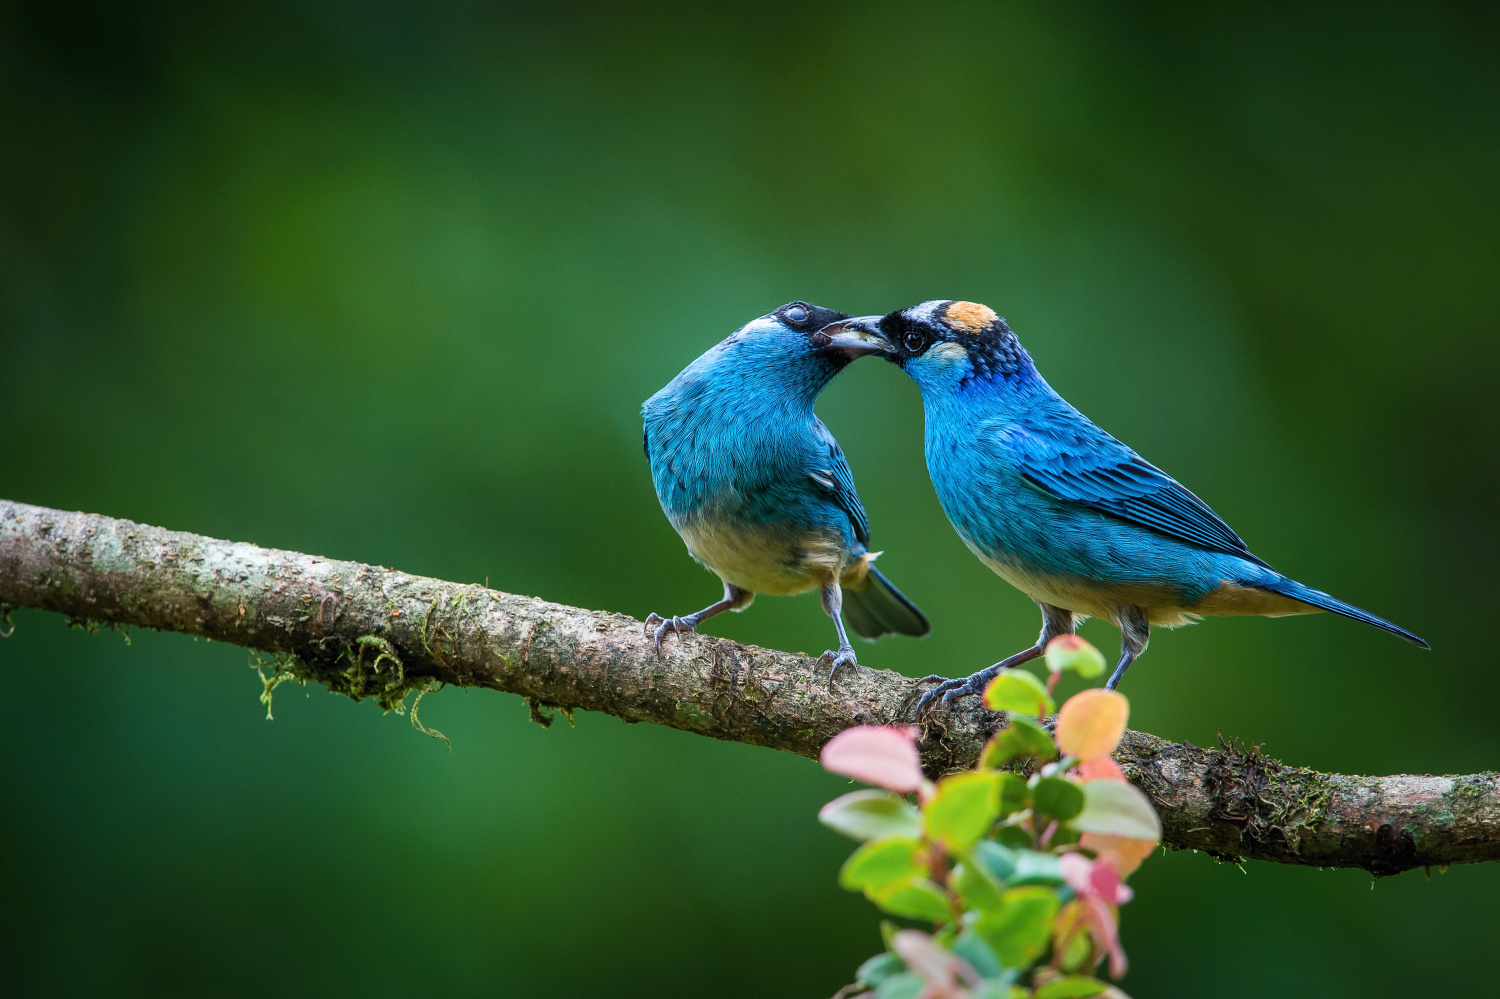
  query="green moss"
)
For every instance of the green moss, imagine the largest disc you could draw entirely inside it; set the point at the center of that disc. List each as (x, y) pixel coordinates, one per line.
(87, 624)
(427, 688)
(283, 667)
(1470, 789)
(362, 677)
(433, 633)
(94, 626)
(545, 714)
(689, 714)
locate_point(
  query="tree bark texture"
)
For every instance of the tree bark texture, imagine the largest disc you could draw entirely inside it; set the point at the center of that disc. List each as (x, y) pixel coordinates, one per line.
(367, 631)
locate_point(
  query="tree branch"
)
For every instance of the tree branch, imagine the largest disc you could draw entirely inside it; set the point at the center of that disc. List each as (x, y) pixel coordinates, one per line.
(372, 632)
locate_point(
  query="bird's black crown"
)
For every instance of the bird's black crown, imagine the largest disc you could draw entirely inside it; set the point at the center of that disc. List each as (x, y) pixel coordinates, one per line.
(992, 348)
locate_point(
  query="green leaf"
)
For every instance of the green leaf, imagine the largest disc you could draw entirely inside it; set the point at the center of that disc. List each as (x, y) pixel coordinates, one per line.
(902, 986)
(1116, 809)
(1022, 738)
(1021, 928)
(1064, 836)
(1080, 951)
(1015, 795)
(971, 947)
(999, 860)
(963, 809)
(976, 885)
(914, 898)
(866, 815)
(1034, 868)
(1071, 987)
(878, 968)
(879, 863)
(1000, 988)
(996, 753)
(1057, 797)
(1015, 837)
(1013, 867)
(1069, 652)
(1019, 690)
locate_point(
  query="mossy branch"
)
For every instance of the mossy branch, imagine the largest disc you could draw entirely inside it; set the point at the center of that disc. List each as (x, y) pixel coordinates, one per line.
(366, 631)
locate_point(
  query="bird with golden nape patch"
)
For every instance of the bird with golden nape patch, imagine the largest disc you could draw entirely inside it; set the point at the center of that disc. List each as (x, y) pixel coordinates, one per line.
(1060, 509)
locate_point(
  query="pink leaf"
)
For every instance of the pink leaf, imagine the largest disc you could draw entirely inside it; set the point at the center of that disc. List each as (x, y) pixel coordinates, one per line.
(1103, 768)
(1068, 644)
(930, 962)
(1077, 871)
(1094, 879)
(1106, 882)
(876, 754)
(1072, 652)
(1105, 930)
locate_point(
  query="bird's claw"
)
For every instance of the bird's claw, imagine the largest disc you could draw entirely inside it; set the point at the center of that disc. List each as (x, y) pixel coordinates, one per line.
(652, 620)
(658, 626)
(952, 689)
(833, 660)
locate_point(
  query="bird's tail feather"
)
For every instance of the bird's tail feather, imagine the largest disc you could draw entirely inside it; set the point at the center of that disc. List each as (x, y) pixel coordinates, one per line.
(1317, 598)
(881, 609)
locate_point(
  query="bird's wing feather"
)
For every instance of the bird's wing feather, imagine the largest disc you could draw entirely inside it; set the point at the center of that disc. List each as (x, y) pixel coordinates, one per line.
(835, 480)
(1085, 465)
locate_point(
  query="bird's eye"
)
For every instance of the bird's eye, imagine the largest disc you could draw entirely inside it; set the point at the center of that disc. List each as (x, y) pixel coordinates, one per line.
(796, 314)
(915, 340)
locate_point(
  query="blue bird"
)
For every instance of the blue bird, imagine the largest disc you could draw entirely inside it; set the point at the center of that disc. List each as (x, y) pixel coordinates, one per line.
(1060, 509)
(757, 486)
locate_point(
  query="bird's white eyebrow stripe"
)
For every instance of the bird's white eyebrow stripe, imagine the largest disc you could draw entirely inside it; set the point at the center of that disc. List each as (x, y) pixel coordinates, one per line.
(927, 310)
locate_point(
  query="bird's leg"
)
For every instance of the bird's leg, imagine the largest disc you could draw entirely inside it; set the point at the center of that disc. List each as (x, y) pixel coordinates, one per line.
(833, 606)
(1135, 635)
(734, 599)
(1055, 621)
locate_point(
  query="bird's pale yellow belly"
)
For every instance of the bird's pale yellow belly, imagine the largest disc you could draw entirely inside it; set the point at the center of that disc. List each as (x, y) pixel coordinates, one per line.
(765, 559)
(1231, 599)
(1163, 604)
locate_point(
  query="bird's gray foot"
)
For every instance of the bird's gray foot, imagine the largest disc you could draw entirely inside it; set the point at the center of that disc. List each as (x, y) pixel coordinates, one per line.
(951, 690)
(833, 660)
(658, 626)
(734, 599)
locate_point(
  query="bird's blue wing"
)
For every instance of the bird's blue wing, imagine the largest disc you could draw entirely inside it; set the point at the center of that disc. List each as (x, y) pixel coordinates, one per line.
(834, 479)
(1080, 463)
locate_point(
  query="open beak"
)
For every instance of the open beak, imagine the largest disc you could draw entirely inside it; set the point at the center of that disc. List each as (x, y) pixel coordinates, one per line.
(856, 337)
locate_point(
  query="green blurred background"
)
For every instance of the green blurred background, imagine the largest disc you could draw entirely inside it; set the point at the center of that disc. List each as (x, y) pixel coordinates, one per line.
(388, 282)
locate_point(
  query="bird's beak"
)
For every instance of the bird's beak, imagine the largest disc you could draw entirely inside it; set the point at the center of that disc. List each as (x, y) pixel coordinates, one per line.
(856, 337)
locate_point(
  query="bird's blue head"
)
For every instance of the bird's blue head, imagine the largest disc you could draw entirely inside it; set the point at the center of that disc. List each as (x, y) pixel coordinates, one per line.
(796, 349)
(951, 348)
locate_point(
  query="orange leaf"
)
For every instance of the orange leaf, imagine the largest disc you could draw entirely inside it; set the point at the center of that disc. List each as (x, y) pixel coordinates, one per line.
(1124, 855)
(1090, 725)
